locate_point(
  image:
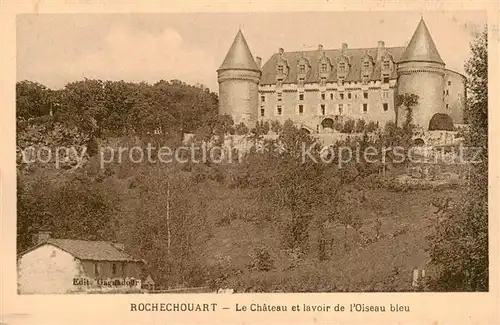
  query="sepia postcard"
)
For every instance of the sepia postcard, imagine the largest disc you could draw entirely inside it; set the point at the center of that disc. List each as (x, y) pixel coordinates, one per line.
(249, 163)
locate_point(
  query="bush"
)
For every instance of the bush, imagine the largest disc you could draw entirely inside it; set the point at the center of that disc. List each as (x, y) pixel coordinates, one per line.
(360, 126)
(262, 259)
(348, 126)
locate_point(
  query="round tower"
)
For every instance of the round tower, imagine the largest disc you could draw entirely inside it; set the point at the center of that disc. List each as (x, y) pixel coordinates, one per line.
(238, 78)
(421, 72)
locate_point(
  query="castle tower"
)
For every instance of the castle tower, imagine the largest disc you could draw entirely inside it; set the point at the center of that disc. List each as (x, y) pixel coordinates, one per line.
(421, 72)
(238, 78)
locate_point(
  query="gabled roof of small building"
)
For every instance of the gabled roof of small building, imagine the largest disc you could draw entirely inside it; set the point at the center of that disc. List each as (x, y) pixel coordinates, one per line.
(421, 47)
(355, 58)
(239, 56)
(89, 250)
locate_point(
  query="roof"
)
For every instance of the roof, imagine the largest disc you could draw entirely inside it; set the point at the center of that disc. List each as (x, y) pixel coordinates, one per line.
(421, 47)
(89, 250)
(239, 56)
(355, 58)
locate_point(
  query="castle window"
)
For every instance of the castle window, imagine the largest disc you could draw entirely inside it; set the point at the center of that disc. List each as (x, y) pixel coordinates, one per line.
(262, 111)
(113, 268)
(341, 95)
(366, 64)
(349, 95)
(301, 109)
(322, 109)
(385, 78)
(323, 67)
(365, 95)
(386, 107)
(279, 109)
(385, 94)
(447, 106)
(331, 96)
(301, 96)
(323, 96)
(387, 64)
(341, 108)
(447, 92)
(279, 81)
(280, 96)
(365, 107)
(280, 69)
(342, 67)
(301, 81)
(322, 81)
(341, 81)
(302, 68)
(449, 83)
(263, 98)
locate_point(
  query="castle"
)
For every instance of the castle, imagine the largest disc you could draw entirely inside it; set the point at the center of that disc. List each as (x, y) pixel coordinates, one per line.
(316, 89)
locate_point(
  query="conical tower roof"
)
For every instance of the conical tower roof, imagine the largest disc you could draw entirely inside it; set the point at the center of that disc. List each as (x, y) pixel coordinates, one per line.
(421, 47)
(239, 56)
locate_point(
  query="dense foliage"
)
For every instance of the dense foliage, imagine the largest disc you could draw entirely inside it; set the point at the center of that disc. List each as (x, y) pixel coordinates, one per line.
(460, 247)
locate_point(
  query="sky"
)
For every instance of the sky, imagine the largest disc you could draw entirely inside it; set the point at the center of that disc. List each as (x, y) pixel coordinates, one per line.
(54, 49)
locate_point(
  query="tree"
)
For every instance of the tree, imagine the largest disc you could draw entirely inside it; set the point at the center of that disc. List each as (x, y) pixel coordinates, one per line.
(371, 127)
(459, 249)
(32, 100)
(261, 128)
(241, 129)
(408, 102)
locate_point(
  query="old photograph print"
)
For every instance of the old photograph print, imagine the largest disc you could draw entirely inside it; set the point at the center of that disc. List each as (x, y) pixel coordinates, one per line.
(252, 152)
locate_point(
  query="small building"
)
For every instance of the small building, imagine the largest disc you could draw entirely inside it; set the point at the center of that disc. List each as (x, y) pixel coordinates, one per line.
(67, 266)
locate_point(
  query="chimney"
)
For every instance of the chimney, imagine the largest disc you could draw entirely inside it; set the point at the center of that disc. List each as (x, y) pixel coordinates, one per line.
(119, 246)
(41, 237)
(344, 48)
(281, 51)
(380, 50)
(320, 47)
(258, 60)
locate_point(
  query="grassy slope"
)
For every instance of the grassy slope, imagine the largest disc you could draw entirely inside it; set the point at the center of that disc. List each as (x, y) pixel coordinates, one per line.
(385, 264)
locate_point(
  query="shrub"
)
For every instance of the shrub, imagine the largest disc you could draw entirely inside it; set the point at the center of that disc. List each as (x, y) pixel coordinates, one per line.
(360, 126)
(348, 126)
(262, 259)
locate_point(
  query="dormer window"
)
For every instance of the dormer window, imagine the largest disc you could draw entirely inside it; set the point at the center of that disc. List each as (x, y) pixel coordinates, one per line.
(280, 96)
(366, 65)
(385, 78)
(301, 96)
(387, 65)
(301, 81)
(342, 67)
(341, 81)
(280, 69)
(322, 81)
(324, 67)
(302, 68)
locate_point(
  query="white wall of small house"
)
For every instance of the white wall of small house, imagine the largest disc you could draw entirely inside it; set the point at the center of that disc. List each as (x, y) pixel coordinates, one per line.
(47, 269)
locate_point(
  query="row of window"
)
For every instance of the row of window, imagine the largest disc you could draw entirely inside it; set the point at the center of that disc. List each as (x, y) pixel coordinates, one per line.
(324, 67)
(279, 95)
(279, 109)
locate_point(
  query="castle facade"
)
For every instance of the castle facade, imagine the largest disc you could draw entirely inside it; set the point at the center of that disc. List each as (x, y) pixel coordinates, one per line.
(317, 89)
